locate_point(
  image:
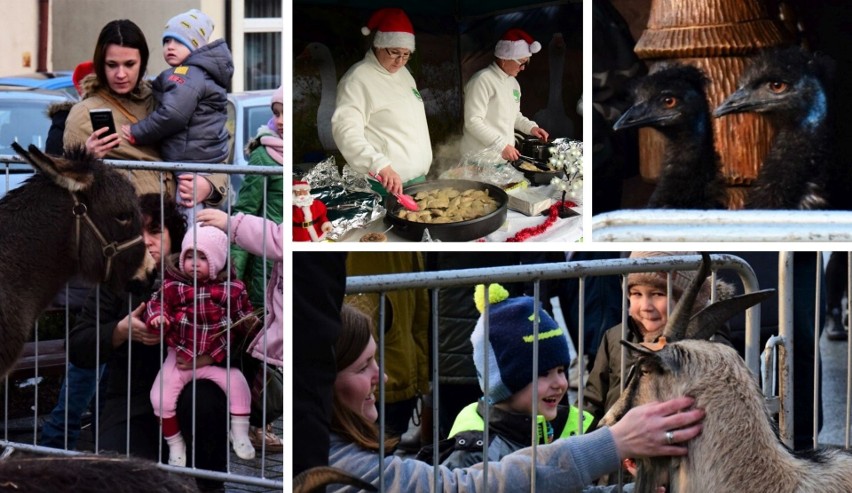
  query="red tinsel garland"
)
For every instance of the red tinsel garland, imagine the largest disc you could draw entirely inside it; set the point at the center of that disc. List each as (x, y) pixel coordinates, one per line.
(527, 233)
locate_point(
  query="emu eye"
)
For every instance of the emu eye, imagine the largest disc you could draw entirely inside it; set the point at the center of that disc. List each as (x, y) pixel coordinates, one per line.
(776, 86)
(669, 101)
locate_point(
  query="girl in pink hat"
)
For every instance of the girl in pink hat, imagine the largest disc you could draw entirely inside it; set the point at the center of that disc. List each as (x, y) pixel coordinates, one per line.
(201, 312)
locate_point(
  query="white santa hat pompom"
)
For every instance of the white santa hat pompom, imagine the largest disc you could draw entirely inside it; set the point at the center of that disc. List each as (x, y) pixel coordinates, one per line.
(392, 27)
(516, 44)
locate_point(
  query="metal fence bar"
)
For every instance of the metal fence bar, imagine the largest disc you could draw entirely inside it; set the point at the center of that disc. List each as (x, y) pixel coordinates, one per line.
(785, 329)
(817, 305)
(435, 280)
(722, 225)
(7, 162)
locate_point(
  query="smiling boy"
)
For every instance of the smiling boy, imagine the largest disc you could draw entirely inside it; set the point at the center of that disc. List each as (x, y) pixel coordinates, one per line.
(510, 382)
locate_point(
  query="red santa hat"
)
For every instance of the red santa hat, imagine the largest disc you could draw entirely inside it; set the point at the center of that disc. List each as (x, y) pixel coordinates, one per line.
(301, 185)
(392, 27)
(516, 44)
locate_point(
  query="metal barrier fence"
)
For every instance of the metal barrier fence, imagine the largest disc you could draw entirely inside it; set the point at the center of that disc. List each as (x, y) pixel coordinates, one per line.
(266, 469)
(722, 225)
(536, 273)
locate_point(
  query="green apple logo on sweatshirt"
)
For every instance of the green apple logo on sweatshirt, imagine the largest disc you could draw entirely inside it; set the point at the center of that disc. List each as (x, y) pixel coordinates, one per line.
(517, 94)
(417, 94)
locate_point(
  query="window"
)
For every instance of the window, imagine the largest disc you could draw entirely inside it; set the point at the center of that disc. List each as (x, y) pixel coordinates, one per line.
(263, 44)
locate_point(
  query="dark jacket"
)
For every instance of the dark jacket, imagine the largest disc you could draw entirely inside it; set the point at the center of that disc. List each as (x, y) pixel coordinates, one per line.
(144, 365)
(58, 113)
(508, 432)
(189, 122)
(457, 314)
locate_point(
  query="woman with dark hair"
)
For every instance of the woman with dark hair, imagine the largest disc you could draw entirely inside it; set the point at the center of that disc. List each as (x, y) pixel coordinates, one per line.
(118, 83)
(567, 464)
(112, 322)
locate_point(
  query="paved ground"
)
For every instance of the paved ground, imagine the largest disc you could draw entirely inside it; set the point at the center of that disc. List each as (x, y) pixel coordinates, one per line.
(834, 358)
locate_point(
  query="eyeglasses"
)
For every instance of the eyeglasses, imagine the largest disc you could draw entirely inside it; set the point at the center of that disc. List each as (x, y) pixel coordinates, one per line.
(522, 63)
(397, 55)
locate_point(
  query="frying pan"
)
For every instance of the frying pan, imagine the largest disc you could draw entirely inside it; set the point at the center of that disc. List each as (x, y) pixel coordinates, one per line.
(469, 230)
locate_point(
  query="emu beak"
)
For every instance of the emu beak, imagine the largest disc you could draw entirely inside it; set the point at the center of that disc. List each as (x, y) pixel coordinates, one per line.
(640, 115)
(741, 101)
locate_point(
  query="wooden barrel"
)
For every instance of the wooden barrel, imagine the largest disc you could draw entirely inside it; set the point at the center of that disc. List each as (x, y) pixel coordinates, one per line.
(720, 37)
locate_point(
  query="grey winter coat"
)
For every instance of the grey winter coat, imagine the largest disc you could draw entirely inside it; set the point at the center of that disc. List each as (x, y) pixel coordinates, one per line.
(189, 122)
(564, 466)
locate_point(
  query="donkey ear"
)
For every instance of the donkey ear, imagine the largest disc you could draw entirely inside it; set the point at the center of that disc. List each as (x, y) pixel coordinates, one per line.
(708, 321)
(71, 175)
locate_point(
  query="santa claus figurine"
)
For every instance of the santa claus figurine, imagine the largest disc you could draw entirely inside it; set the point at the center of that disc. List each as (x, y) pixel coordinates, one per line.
(310, 222)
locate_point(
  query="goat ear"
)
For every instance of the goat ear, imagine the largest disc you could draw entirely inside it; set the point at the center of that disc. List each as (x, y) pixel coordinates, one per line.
(636, 348)
(709, 320)
(71, 175)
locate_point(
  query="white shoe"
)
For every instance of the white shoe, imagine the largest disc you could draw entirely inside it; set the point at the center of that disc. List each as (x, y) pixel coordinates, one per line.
(177, 459)
(242, 446)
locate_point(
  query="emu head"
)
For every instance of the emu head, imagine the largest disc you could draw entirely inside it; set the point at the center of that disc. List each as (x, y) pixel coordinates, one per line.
(106, 243)
(669, 367)
(789, 85)
(670, 98)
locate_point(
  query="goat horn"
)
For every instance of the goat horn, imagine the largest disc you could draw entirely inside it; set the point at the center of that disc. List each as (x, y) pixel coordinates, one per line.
(708, 321)
(676, 328)
(317, 477)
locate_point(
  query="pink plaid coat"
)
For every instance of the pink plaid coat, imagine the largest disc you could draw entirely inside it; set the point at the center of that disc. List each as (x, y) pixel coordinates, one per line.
(183, 307)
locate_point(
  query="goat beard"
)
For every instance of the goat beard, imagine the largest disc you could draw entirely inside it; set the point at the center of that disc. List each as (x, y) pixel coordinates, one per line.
(653, 473)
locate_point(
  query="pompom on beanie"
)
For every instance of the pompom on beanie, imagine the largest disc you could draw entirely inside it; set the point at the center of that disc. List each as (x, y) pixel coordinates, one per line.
(510, 343)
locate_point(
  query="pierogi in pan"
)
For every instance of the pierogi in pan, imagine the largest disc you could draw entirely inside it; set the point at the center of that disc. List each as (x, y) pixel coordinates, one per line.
(449, 205)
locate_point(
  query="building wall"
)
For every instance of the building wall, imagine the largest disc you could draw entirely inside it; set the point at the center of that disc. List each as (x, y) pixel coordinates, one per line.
(19, 38)
(75, 27)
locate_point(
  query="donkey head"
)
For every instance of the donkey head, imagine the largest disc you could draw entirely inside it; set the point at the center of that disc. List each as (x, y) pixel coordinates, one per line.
(106, 240)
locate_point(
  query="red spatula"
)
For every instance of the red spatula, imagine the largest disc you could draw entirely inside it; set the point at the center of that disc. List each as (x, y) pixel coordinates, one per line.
(406, 201)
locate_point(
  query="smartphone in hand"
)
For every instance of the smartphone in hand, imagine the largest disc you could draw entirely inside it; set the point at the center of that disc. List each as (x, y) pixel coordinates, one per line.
(102, 117)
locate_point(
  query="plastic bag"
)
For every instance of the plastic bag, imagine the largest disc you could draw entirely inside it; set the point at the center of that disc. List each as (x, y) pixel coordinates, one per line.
(487, 166)
(351, 202)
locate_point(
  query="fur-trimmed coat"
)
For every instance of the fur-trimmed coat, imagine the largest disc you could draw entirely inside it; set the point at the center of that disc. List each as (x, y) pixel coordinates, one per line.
(139, 103)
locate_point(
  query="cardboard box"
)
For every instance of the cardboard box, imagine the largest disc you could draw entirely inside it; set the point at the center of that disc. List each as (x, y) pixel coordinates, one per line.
(529, 201)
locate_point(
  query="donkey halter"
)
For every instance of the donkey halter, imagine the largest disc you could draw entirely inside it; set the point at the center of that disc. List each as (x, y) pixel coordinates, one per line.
(110, 249)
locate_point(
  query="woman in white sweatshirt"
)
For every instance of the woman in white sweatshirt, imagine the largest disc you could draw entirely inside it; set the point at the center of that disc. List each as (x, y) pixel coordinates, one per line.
(492, 99)
(379, 123)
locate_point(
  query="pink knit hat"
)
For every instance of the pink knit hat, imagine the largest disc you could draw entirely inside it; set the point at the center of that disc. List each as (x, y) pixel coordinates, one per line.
(209, 240)
(278, 95)
(393, 29)
(515, 44)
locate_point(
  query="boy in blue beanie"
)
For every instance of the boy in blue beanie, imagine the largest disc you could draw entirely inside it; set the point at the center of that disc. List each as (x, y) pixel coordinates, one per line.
(510, 382)
(192, 97)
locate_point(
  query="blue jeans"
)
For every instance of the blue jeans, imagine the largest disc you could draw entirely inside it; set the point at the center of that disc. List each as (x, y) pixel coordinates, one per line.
(79, 386)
